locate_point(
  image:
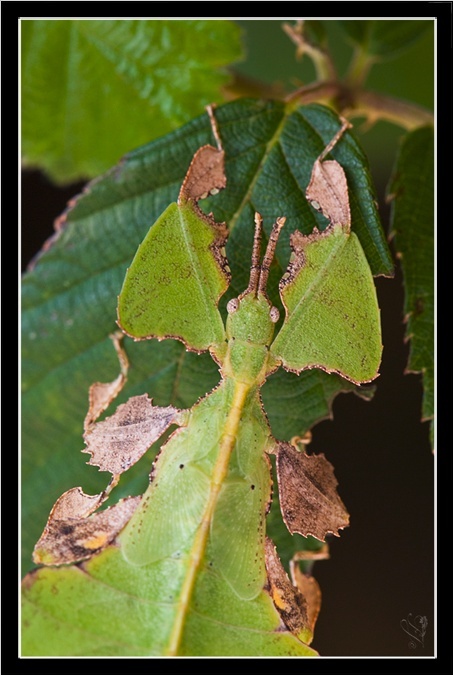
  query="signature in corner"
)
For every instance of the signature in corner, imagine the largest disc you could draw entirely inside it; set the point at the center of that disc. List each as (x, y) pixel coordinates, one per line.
(415, 628)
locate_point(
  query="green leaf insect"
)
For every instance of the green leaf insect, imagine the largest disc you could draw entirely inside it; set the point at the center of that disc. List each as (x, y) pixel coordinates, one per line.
(193, 563)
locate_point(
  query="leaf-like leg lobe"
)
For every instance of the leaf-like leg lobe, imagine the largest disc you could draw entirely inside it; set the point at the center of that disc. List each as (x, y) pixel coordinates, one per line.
(309, 500)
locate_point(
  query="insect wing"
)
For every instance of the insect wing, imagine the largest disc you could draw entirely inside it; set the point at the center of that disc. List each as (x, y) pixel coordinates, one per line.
(332, 316)
(173, 285)
(238, 532)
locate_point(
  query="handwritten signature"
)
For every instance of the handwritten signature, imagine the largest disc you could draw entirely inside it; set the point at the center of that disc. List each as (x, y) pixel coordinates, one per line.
(415, 627)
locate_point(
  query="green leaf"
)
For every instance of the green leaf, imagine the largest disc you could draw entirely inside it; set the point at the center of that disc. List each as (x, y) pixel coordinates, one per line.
(384, 38)
(295, 403)
(93, 89)
(84, 596)
(412, 227)
(164, 537)
(70, 295)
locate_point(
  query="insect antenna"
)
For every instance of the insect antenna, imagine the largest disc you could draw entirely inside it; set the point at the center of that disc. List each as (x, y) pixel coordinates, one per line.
(269, 255)
(255, 267)
(259, 271)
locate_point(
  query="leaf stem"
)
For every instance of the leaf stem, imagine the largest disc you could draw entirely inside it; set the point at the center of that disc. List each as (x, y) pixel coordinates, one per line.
(381, 107)
(325, 70)
(359, 68)
(353, 102)
(346, 96)
(315, 92)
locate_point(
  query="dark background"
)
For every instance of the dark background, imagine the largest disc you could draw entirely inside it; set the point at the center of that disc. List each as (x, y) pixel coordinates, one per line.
(382, 567)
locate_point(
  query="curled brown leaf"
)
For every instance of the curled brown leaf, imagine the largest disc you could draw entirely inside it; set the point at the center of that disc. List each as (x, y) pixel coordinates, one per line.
(328, 193)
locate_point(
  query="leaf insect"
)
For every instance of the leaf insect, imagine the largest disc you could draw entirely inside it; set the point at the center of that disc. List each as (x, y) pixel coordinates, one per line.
(210, 486)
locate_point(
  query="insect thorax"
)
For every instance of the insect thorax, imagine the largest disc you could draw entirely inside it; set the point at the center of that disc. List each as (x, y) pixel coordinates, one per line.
(250, 329)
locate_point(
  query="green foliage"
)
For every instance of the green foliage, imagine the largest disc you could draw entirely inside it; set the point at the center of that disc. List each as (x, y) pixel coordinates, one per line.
(86, 82)
(269, 152)
(412, 190)
(384, 38)
(226, 627)
(204, 511)
(91, 91)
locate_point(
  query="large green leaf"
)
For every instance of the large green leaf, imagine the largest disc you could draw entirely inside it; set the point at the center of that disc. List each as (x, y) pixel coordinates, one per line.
(412, 227)
(384, 38)
(132, 79)
(298, 402)
(70, 295)
(219, 625)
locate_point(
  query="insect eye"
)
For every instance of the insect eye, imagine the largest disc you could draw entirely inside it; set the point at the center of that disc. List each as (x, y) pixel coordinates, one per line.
(274, 314)
(233, 305)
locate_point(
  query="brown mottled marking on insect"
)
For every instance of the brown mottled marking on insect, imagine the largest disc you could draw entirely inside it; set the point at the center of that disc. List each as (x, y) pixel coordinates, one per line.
(75, 537)
(205, 172)
(101, 394)
(121, 440)
(309, 500)
(311, 591)
(289, 602)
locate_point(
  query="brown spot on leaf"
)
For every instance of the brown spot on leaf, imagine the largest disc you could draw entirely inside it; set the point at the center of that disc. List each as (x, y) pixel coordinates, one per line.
(205, 173)
(309, 500)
